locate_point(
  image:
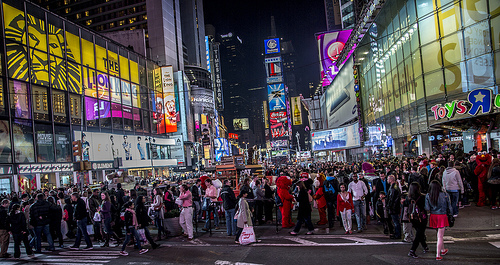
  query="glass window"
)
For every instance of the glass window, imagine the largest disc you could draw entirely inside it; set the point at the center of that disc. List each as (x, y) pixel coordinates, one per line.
(63, 144)
(137, 120)
(126, 93)
(105, 114)
(434, 84)
(88, 49)
(57, 43)
(100, 55)
(452, 51)
(474, 11)
(411, 12)
(22, 132)
(91, 111)
(73, 43)
(116, 113)
(39, 67)
(497, 67)
(431, 56)
(477, 40)
(136, 95)
(495, 31)
(102, 86)
(453, 79)
(5, 146)
(74, 78)
(417, 63)
(17, 62)
(75, 109)
(424, 7)
(419, 88)
(58, 73)
(40, 103)
(134, 68)
(127, 118)
(90, 82)
(59, 106)
(112, 64)
(155, 120)
(480, 72)
(20, 100)
(428, 30)
(44, 143)
(115, 89)
(2, 99)
(143, 79)
(450, 20)
(15, 27)
(144, 98)
(37, 36)
(414, 41)
(145, 120)
(124, 68)
(494, 8)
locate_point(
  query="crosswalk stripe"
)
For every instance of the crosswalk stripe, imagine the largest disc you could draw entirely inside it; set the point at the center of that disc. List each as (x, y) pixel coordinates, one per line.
(496, 244)
(302, 241)
(87, 257)
(66, 261)
(90, 253)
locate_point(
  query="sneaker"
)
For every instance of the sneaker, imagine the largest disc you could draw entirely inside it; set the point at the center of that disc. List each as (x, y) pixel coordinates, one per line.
(455, 215)
(439, 258)
(292, 233)
(426, 250)
(412, 254)
(123, 253)
(444, 252)
(74, 248)
(310, 233)
(494, 207)
(88, 248)
(144, 250)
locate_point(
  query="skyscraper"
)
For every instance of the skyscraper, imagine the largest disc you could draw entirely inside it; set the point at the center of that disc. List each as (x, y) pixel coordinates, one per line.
(332, 12)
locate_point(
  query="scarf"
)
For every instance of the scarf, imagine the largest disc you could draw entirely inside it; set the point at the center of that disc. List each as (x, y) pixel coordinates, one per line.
(134, 218)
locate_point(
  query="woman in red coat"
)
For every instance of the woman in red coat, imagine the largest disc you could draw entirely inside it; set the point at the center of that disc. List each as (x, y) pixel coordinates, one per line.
(320, 200)
(283, 183)
(345, 207)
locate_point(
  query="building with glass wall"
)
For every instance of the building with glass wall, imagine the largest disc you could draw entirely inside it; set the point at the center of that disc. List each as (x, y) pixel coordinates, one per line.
(59, 79)
(430, 72)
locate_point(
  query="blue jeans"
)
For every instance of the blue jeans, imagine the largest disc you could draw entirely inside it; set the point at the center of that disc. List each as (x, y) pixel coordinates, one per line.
(38, 232)
(230, 224)
(397, 225)
(81, 228)
(360, 213)
(107, 226)
(132, 232)
(454, 200)
(212, 209)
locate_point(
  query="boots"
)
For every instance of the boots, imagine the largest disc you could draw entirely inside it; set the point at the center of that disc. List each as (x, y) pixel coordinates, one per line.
(106, 243)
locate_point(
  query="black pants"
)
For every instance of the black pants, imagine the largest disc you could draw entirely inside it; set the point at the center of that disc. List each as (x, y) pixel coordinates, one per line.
(330, 207)
(18, 238)
(55, 231)
(420, 237)
(268, 209)
(259, 211)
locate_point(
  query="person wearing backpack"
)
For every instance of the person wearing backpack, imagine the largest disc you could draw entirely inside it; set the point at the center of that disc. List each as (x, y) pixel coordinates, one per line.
(331, 188)
(418, 217)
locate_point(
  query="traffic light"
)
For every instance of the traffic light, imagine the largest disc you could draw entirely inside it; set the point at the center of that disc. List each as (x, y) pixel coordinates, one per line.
(87, 166)
(77, 148)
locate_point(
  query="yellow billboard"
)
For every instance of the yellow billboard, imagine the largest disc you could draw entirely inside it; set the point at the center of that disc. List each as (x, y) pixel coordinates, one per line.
(296, 111)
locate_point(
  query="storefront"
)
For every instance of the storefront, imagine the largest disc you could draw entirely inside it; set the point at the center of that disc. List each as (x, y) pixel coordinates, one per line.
(6, 180)
(45, 176)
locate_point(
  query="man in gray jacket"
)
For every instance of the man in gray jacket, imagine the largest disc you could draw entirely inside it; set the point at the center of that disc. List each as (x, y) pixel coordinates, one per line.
(452, 183)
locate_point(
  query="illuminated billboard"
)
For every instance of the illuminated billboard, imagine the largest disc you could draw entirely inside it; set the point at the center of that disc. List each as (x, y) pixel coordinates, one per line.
(274, 70)
(339, 138)
(276, 97)
(169, 117)
(221, 146)
(240, 124)
(279, 124)
(330, 45)
(296, 111)
(340, 100)
(275, 144)
(272, 45)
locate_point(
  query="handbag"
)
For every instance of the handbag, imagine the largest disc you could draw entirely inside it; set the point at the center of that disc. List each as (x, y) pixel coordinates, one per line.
(247, 236)
(158, 207)
(495, 180)
(451, 220)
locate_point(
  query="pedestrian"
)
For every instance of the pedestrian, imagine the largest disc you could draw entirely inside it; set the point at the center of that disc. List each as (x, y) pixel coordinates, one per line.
(4, 229)
(382, 209)
(304, 214)
(268, 202)
(55, 221)
(80, 215)
(131, 226)
(331, 189)
(195, 193)
(19, 229)
(344, 207)
(186, 216)
(394, 203)
(359, 191)
(94, 203)
(418, 217)
(258, 193)
(158, 212)
(319, 196)
(494, 174)
(40, 219)
(211, 197)
(437, 202)
(229, 202)
(143, 218)
(243, 215)
(453, 185)
(106, 214)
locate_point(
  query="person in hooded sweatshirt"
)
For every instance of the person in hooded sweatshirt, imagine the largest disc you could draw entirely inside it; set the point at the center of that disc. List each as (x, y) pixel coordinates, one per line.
(19, 230)
(452, 183)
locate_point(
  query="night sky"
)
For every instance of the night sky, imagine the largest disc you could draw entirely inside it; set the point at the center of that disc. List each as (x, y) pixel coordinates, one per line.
(296, 20)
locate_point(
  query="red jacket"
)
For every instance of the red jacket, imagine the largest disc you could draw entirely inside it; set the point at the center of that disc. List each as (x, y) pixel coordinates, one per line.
(344, 205)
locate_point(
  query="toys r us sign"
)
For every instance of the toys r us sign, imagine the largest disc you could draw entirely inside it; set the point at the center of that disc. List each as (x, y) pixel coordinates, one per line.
(481, 99)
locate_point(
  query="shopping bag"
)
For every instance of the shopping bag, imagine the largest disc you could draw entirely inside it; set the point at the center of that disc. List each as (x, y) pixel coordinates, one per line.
(142, 235)
(97, 217)
(90, 229)
(247, 236)
(206, 204)
(64, 229)
(178, 201)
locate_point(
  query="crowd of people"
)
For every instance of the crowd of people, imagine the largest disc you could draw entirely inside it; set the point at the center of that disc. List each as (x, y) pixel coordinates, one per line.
(405, 196)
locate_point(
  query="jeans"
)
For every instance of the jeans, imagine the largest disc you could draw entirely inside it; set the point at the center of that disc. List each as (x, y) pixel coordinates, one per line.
(130, 233)
(81, 228)
(18, 238)
(107, 226)
(454, 201)
(360, 213)
(397, 225)
(197, 210)
(230, 223)
(212, 209)
(159, 226)
(38, 231)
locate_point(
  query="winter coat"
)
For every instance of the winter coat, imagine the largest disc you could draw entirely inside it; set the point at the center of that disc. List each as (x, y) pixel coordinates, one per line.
(17, 223)
(80, 210)
(304, 204)
(4, 225)
(40, 213)
(394, 199)
(243, 214)
(228, 197)
(142, 215)
(319, 196)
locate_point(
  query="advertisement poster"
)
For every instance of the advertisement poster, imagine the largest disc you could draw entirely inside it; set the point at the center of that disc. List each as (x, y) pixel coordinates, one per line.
(240, 124)
(115, 89)
(330, 45)
(177, 151)
(166, 107)
(340, 99)
(272, 45)
(221, 148)
(339, 138)
(274, 70)
(276, 97)
(277, 144)
(296, 111)
(279, 124)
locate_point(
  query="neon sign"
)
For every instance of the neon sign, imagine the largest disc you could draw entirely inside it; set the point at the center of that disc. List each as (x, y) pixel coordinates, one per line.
(479, 101)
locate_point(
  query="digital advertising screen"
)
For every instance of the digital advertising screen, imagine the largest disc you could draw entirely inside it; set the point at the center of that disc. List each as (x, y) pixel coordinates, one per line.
(276, 97)
(330, 45)
(240, 124)
(339, 138)
(279, 124)
(272, 45)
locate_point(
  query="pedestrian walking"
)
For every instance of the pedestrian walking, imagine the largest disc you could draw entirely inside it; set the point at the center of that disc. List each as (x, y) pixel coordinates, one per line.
(437, 202)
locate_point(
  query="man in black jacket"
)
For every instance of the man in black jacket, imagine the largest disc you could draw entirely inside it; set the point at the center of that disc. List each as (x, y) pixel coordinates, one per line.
(394, 209)
(229, 201)
(195, 193)
(4, 231)
(40, 219)
(416, 177)
(80, 215)
(94, 203)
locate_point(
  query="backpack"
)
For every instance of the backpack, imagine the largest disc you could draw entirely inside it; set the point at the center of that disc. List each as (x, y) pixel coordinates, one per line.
(277, 199)
(416, 214)
(329, 190)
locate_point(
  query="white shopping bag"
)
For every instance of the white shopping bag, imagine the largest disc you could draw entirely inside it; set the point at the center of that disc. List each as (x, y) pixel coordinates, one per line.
(90, 229)
(247, 236)
(142, 235)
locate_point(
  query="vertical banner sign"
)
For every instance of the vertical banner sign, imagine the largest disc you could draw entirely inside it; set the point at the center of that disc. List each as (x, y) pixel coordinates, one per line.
(330, 45)
(169, 106)
(296, 111)
(219, 102)
(266, 114)
(276, 97)
(207, 52)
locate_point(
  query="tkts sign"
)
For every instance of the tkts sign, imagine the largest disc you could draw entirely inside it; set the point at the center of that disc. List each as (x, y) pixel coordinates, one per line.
(479, 101)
